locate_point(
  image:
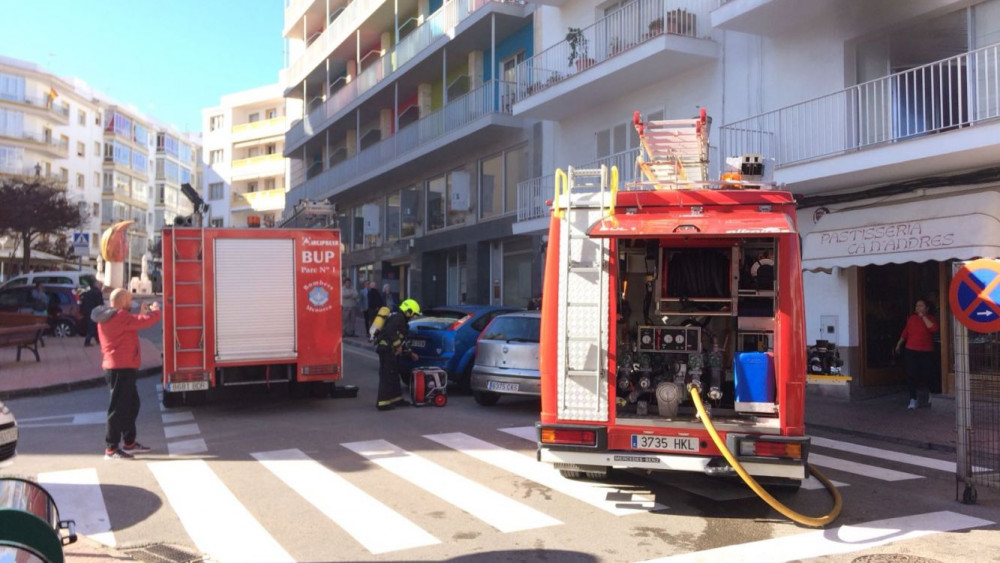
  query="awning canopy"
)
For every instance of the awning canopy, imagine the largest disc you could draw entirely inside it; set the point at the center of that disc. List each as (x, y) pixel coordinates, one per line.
(951, 227)
(711, 222)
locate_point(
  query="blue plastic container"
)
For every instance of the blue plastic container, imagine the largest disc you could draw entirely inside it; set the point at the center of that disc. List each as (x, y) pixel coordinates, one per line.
(754, 377)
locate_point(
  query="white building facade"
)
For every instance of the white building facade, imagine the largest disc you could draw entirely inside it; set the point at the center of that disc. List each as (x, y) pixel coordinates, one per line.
(245, 169)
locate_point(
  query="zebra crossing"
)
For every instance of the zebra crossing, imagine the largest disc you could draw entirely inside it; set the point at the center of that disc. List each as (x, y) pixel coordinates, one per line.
(197, 492)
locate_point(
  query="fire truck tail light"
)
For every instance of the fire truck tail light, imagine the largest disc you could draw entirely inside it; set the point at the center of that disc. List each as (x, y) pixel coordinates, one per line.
(569, 436)
(787, 450)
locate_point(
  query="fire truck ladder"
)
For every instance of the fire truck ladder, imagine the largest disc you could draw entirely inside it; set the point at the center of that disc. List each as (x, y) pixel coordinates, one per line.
(674, 152)
(188, 304)
(583, 294)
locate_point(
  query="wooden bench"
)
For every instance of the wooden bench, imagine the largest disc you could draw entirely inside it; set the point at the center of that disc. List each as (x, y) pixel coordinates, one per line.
(23, 330)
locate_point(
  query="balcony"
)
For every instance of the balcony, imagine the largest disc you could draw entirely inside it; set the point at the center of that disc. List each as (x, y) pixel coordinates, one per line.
(647, 40)
(441, 23)
(768, 17)
(258, 166)
(484, 108)
(274, 127)
(933, 119)
(266, 200)
(46, 144)
(40, 105)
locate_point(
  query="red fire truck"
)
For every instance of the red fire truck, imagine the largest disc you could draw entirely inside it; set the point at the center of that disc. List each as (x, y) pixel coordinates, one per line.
(250, 306)
(669, 303)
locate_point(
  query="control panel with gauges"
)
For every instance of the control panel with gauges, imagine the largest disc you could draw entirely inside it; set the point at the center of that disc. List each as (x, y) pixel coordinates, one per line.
(669, 339)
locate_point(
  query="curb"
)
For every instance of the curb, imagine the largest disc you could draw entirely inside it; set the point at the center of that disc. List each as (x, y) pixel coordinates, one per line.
(918, 444)
(70, 386)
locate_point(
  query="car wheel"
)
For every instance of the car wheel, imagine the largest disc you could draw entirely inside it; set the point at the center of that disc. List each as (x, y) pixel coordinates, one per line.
(63, 329)
(486, 398)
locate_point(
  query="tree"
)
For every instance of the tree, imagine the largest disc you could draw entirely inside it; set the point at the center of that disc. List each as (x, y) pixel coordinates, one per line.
(32, 207)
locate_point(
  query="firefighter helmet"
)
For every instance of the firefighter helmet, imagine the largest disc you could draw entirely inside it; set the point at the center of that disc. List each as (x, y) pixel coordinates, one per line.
(410, 307)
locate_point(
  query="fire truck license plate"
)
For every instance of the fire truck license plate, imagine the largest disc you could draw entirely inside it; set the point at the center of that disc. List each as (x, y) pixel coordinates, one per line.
(188, 386)
(664, 443)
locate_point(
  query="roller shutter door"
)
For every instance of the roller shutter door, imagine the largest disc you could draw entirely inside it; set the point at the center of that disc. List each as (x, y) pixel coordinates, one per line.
(254, 299)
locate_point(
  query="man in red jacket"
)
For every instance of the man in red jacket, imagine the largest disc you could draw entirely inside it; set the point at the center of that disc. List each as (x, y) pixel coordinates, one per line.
(118, 330)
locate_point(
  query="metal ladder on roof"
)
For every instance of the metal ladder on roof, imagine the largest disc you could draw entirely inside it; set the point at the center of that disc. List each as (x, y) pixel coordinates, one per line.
(187, 251)
(583, 294)
(674, 152)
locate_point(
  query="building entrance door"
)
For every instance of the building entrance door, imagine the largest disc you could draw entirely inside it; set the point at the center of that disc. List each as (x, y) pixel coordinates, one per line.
(887, 296)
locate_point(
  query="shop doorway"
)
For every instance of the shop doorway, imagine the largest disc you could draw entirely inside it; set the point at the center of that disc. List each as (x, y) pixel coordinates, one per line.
(887, 295)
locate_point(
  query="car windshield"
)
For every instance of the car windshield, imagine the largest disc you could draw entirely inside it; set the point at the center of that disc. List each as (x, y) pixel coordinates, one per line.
(513, 329)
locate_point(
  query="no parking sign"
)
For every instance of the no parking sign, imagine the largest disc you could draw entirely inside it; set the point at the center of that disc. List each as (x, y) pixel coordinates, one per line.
(974, 295)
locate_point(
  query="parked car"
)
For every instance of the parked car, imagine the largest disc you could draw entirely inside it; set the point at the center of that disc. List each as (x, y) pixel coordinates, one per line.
(69, 278)
(64, 316)
(507, 358)
(8, 435)
(445, 337)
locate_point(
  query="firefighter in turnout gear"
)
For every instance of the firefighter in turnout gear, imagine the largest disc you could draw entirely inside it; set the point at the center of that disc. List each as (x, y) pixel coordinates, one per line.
(390, 343)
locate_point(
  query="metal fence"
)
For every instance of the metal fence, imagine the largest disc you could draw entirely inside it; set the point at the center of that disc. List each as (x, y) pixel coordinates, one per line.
(977, 402)
(953, 92)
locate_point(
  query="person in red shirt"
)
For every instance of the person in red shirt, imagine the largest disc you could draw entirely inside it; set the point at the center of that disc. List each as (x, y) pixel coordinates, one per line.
(118, 330)
(918, 335)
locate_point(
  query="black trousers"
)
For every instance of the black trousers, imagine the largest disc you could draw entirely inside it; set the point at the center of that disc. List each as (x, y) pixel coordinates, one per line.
(389, 389)
(90, 329)
(123, 408)
(920, 369)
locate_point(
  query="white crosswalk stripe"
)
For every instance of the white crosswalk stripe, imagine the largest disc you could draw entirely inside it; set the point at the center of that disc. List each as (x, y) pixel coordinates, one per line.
(374, 525)
(77, 493)
(214, 518)
(847, 466)
(884, 454)
(497, 510)
(616, 501)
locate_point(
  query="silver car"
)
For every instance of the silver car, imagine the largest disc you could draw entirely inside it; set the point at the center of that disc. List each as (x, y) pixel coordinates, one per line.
(507, 358)
(8, 435)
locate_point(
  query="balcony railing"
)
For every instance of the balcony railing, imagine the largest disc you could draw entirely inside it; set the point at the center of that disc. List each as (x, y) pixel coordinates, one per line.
(273, 126)
(447, 17)
(492, 97)
(256, 160)
(633, 24)
(266, 200)
(532, 194)
(940, 96)
(59, 110)
(336, 33)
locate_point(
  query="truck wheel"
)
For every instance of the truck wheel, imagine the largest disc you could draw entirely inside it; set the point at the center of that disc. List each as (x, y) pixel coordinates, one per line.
(172, 400)
(598, 475)
(486, 398)
(571, 474)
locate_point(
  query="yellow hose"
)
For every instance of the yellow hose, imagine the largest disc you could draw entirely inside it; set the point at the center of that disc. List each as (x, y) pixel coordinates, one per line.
(813, 521)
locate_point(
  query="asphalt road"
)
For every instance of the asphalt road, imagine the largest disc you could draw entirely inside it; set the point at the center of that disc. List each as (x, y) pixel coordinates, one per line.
(261, 476)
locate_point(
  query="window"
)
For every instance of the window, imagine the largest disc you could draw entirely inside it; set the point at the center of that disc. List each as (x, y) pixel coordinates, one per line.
(215, 157)
(622, 137)
(459, 196)
(410, 212)
(79, 181)
(516, 169)
(95, 212)
(81, 149)
(490, 186)
(269, 184)
(437, 189)
(11, 87)
(215, 122)
(168, 144)
(140, 135)
(254, 117)
(216, 222)
(97, 179)
(270, 149)
(216, 191)
(64, 174)
(81, 117)
(97, 147)
(392, 217)
(139, 162)
(11, 123)
(508, 67)
(272, 113)
(252, 187)
(267, 219)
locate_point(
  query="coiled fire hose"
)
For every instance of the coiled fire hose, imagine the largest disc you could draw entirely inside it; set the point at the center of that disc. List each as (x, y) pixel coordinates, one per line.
(812, 521)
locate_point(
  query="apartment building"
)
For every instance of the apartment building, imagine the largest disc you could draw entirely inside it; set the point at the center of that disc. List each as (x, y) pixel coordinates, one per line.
(177, 160)
(881, 117)
(246, 171)
(401, 114)
(51, 127)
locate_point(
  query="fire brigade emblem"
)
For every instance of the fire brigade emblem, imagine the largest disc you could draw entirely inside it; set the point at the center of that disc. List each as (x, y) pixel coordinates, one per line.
(318, 296)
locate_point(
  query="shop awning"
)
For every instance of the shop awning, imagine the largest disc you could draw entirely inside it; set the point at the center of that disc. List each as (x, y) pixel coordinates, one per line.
(711, 222)
(944, 228)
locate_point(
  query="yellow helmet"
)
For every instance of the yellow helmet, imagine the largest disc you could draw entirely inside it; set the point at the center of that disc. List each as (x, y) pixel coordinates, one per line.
(410, 306)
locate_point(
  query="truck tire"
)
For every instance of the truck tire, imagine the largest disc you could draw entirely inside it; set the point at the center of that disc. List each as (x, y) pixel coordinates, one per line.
(172, 400)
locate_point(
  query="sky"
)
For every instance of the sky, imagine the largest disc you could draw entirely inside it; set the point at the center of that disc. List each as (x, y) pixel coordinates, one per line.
(169, 59)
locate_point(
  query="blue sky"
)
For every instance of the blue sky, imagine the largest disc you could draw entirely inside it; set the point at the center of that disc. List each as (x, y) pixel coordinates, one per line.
(168, 59)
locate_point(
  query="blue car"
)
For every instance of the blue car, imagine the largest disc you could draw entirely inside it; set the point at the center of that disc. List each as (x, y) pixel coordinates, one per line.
(445, 337)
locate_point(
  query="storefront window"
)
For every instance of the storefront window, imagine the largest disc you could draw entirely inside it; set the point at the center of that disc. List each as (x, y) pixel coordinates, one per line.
(357, 229)
(409, 211)
(517, 272)
(437, 193)
(460, 195)
(516, 170)
(392, 217)
(490, 182)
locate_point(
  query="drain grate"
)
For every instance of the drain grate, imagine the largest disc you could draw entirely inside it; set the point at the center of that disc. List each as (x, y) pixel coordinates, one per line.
(163, 553)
